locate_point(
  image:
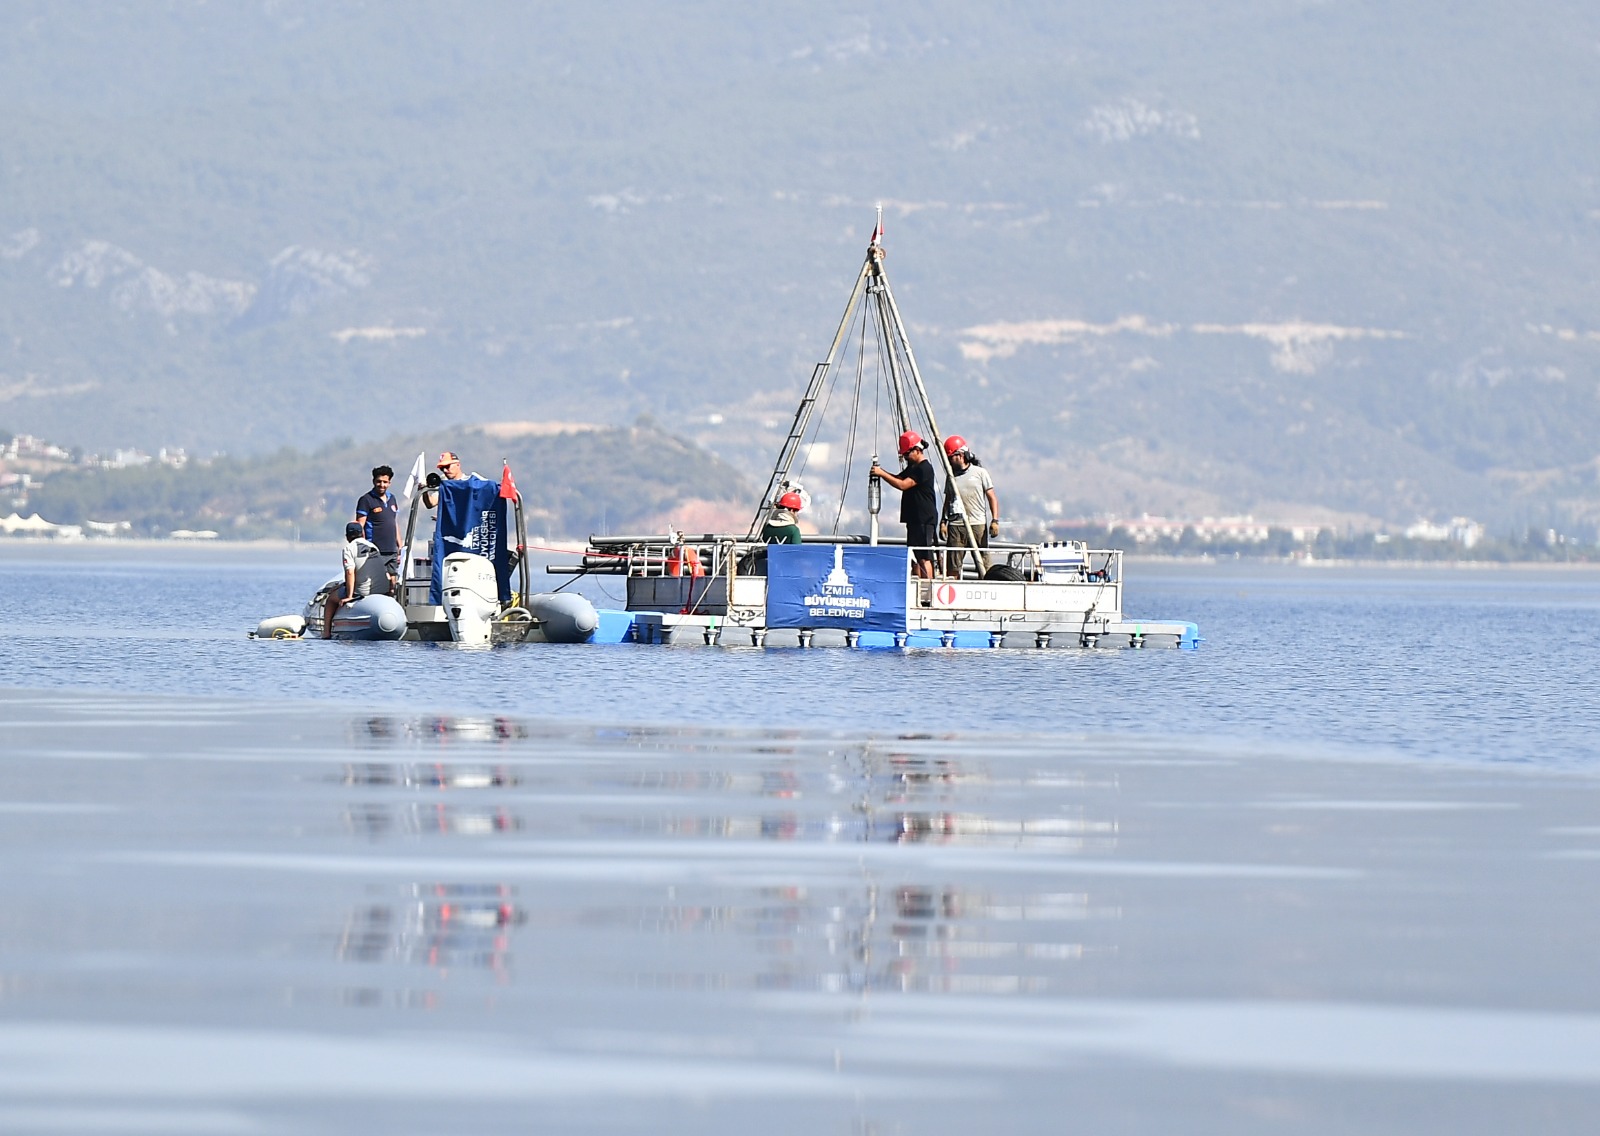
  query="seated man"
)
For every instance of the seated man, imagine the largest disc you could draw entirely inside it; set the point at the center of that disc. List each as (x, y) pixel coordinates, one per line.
(365, 574)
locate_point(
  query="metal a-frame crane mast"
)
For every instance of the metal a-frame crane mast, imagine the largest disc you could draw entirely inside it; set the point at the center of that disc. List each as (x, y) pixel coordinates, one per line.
(872, 282)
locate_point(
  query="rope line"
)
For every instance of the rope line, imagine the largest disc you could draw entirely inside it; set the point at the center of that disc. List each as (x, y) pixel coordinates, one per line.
(572, 552)
(855, 420)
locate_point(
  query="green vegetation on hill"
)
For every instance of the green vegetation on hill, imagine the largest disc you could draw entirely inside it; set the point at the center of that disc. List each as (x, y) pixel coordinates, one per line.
(572, 485)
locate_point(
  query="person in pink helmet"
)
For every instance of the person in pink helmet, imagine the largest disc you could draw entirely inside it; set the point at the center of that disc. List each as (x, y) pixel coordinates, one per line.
(919, 504)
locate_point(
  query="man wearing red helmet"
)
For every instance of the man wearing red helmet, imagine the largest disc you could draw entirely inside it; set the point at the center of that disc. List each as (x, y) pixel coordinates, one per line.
(783, 526)
(919, 504)
(969, 501)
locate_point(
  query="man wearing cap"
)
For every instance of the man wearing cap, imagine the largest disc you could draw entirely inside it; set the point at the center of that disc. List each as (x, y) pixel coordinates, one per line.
(449, 467)
(364, 574)
(919, 504)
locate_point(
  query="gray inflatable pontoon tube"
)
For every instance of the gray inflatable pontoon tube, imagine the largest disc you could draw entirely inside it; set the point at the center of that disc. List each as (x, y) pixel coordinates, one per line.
(370, 618)
(564, 617)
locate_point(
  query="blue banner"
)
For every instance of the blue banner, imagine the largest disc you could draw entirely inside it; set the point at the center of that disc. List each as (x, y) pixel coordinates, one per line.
(856, 587)
(473, 517)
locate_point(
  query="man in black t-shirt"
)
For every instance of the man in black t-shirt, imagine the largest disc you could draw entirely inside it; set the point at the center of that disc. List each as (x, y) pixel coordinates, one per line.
(919, 504)
(380, 522)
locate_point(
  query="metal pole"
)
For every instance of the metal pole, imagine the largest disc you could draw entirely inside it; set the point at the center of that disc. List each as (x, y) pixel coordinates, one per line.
(406, 553)
(526, 574)
(874, 504)
(897, 383)
(802, 416)
(927, 407)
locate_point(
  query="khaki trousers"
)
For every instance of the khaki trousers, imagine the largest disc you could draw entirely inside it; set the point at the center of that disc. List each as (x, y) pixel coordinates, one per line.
(958, 545)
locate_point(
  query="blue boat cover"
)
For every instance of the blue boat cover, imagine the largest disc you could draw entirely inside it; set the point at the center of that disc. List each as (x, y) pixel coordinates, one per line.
(855, 587)
(473, 517)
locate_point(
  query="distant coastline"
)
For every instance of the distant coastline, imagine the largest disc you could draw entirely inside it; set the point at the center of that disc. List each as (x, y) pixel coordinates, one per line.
(27, 546)
(213, 547)
(1164, 560)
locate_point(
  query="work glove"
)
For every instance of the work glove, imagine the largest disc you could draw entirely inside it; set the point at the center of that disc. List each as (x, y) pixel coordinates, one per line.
(994, 528)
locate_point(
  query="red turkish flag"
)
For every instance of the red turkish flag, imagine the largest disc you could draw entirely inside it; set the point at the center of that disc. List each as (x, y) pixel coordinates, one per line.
(508, 488)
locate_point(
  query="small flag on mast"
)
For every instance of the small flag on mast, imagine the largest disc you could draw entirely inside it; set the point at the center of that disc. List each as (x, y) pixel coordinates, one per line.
(508, 488)
(414, 479)
(877, 233)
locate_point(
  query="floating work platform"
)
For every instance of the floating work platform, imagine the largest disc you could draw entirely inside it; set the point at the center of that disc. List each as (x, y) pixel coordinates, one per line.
(838, 592)
(675, 629)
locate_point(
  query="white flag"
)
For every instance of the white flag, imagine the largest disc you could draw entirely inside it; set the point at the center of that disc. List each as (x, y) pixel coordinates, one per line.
(414, 478)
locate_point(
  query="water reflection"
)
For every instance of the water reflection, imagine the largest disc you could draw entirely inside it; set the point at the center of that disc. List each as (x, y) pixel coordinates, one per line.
(434, 776)
(870, 825)
(904, 925)
(439, 926)
(910, 938)
(377, 821)
(916, 776)
(888, 798)
(1060, 833)
(440, 729)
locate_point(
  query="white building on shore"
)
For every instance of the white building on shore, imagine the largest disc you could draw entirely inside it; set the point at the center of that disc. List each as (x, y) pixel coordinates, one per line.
(1460, 530)
(1243, 529)
(37, 526)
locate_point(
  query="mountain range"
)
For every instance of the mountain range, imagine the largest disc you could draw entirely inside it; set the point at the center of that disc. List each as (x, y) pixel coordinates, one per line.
(1299, 258)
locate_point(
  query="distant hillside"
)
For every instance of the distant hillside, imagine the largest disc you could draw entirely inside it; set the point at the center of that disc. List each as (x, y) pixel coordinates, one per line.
(573, 483)
(1276, 256)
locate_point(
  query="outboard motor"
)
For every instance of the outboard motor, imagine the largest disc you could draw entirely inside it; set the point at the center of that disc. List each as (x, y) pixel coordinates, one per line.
(471, 596)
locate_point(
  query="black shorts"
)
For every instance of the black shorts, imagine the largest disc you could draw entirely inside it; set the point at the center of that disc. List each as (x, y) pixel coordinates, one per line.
(922, 538)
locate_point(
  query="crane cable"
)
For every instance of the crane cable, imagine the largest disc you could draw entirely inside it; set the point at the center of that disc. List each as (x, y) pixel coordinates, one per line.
(815, 426)
(855, 421)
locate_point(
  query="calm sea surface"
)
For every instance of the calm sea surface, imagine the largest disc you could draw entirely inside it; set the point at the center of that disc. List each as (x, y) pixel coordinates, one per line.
(1476, 665)
(1334, 872)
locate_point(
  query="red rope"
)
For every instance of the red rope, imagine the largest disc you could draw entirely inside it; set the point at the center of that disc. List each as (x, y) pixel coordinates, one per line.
(570, 552)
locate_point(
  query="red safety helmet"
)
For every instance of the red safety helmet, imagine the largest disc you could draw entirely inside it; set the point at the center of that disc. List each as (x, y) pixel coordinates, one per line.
(910, 440)
(791, 500)
(954, 444)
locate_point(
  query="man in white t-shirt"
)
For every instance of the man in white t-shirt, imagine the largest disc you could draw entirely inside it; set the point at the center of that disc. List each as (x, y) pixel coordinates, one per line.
(969, 497)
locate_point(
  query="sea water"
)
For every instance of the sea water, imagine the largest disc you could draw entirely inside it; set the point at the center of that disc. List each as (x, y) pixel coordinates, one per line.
(1333, 872)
